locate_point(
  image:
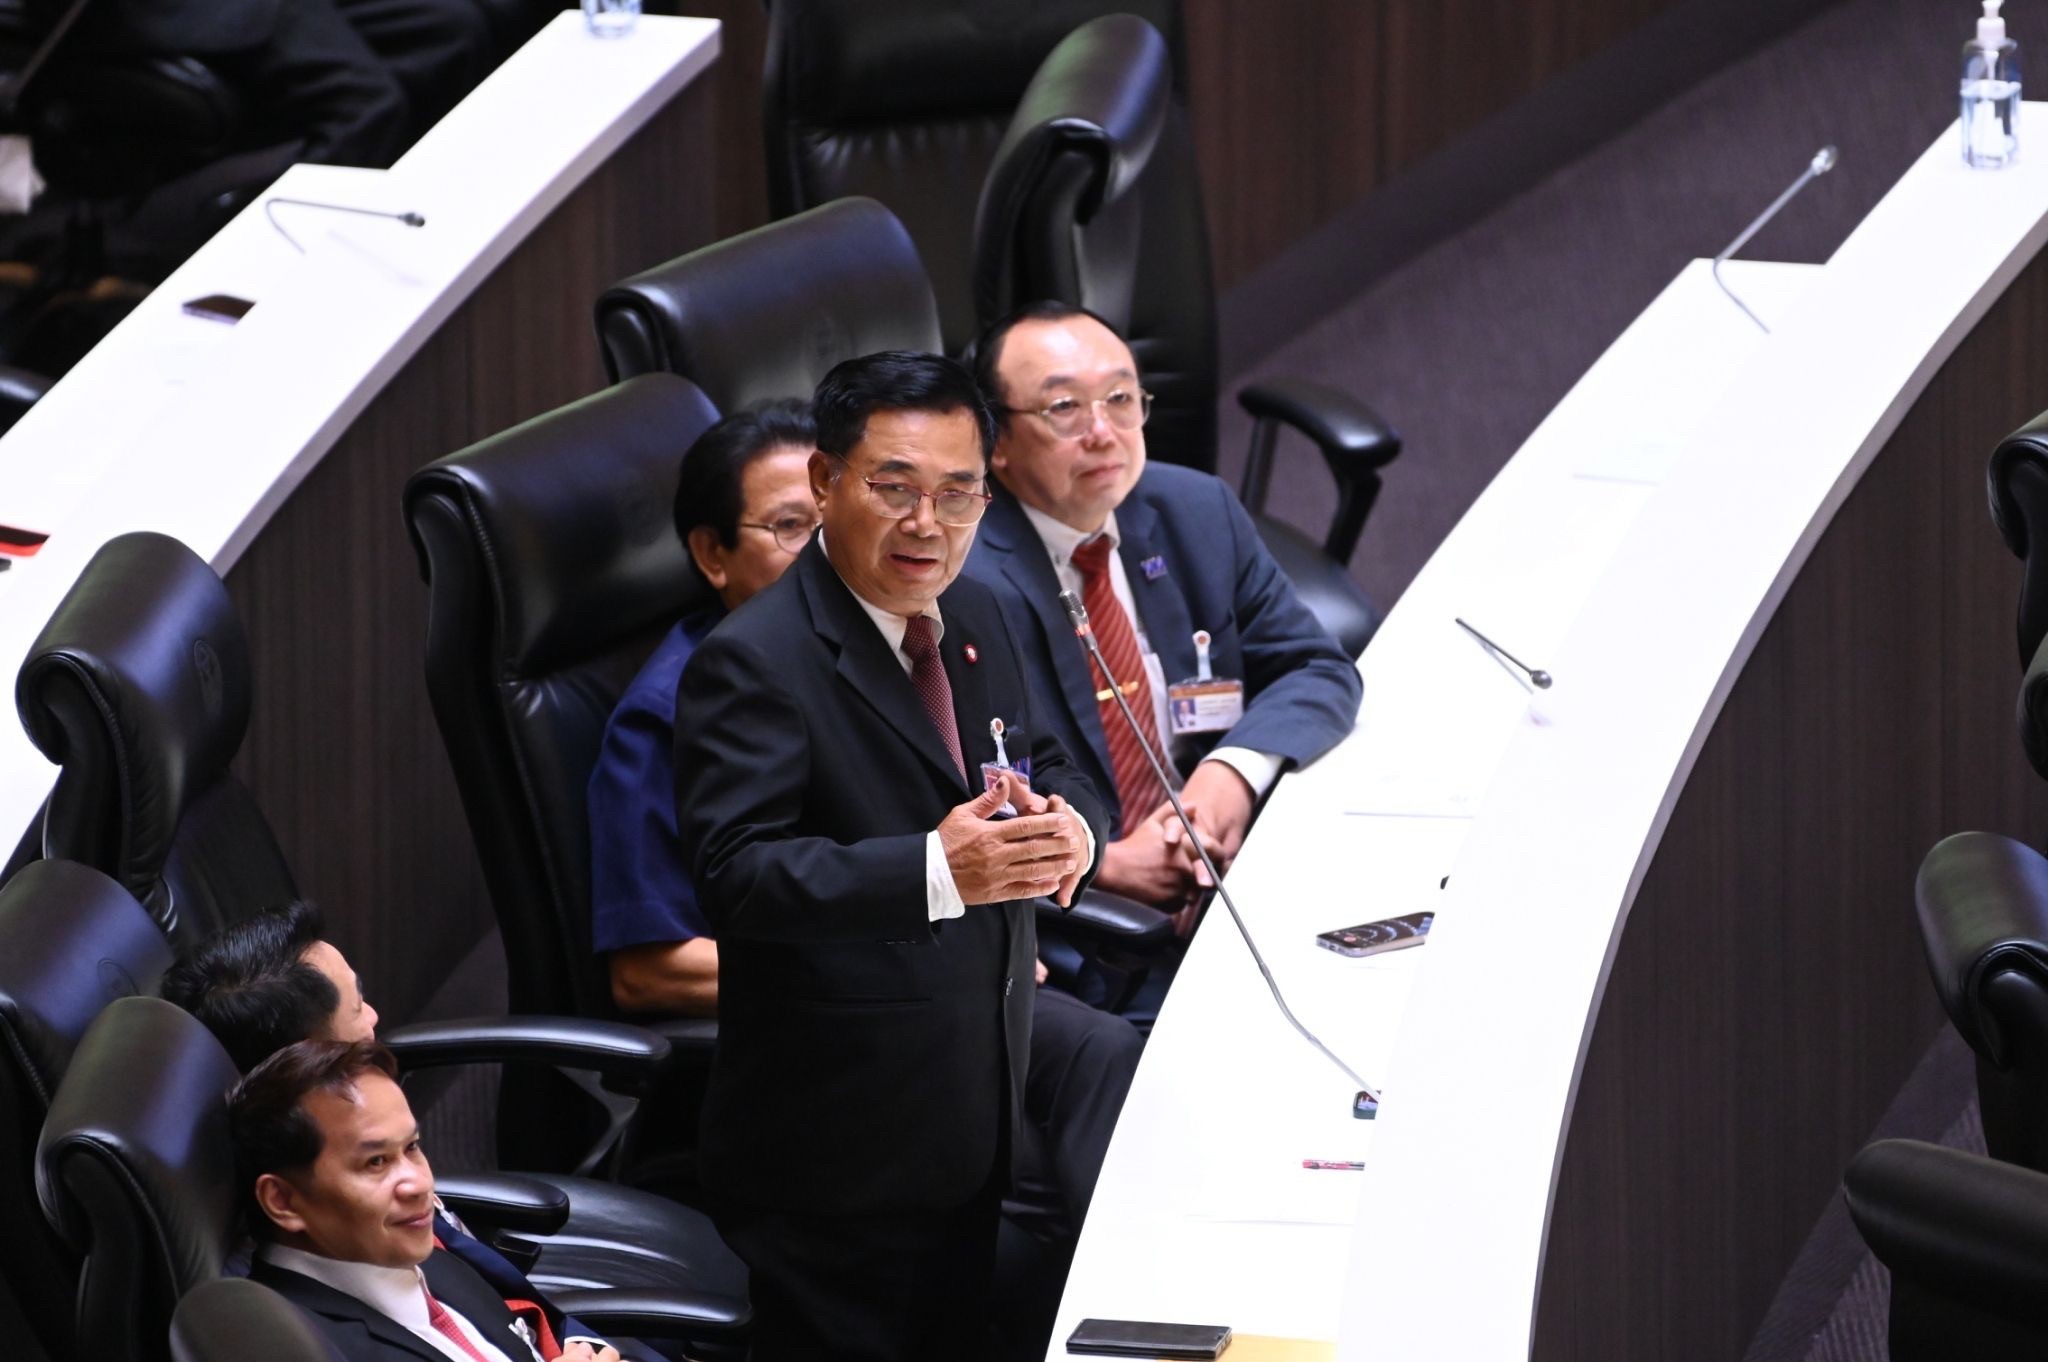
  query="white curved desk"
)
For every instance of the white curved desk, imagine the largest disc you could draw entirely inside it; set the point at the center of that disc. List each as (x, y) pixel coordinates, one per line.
(1638, 547)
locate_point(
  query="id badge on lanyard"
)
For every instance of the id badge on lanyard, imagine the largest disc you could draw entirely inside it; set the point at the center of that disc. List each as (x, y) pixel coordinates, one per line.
(1207, 703)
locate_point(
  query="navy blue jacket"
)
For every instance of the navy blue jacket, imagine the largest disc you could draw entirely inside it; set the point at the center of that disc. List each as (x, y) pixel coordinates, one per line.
(1301, 691)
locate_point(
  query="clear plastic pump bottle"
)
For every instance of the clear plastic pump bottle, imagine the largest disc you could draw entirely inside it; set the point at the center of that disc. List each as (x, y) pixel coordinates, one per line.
(1991, 94)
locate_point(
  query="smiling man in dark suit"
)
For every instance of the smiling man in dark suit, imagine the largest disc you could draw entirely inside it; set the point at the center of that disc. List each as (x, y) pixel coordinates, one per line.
(1157, 553)
(876, 943)
(341, 1201)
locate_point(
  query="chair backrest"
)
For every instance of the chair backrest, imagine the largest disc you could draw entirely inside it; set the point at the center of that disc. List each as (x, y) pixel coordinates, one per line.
(71, 941)
(1982, 901)
(905, 101)
(766, 314)
(138, 687)
(552, 564)
(136, 1171)
(233, 1319)
(2018, 485)
(1092, 199)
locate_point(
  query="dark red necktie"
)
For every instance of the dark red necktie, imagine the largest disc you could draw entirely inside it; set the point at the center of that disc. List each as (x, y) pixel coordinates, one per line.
(1137, 789)
(444, 1323)
(928, 675)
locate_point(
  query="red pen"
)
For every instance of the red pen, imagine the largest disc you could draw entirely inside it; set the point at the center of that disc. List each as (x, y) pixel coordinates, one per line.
(1345, 1165)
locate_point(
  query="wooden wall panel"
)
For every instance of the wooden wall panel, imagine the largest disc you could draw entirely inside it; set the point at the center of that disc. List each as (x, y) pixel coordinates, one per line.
(342, 750)
(1770, 995)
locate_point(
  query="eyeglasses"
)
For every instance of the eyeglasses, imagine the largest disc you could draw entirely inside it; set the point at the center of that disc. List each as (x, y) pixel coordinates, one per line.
(1124, 408)
(791, 532)
(898, 501)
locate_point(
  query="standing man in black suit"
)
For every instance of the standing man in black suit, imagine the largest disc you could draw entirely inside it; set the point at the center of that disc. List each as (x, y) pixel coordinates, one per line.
(833, 740)
(341, 1201)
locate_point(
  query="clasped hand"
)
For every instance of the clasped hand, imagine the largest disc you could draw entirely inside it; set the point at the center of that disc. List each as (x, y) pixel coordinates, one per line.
(1043, 850)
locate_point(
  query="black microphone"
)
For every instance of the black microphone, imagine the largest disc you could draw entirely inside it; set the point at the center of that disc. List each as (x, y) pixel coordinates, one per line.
(1366, 1104)
(410, 219)
(1538, 678)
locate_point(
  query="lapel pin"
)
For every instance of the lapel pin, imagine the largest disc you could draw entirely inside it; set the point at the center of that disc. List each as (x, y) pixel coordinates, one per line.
(969, 652)
(1154, 567)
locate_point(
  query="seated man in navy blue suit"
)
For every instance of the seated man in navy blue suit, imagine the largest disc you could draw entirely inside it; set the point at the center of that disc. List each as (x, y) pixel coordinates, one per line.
(1158, 554)
(744, 509)
(340, 1199)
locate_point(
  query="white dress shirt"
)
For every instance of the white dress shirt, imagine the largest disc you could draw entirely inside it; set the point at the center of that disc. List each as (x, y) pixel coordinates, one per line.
(397, 1293)
(1259, 769)
(942, 895)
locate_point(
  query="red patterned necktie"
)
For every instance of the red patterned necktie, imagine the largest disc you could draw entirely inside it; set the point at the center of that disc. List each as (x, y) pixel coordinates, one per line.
(928, 675)
(444, 1323)
(1137, 789)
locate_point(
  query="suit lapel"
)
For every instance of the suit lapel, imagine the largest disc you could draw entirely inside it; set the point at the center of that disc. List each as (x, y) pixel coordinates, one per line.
(456, 1285)
(1028, 567)
(866, 664)
(325, 1301)
(1162, 609)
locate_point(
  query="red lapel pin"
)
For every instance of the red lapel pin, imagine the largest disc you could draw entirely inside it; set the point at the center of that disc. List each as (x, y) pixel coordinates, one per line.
(970, 654)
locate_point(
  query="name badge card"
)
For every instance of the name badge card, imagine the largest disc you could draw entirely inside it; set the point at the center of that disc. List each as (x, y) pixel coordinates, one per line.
(1207, 704)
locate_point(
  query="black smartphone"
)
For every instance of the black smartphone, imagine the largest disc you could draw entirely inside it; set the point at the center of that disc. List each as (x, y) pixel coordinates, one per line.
(1141, 1338)
(219, 307)
(16, 542)
(1375, 938)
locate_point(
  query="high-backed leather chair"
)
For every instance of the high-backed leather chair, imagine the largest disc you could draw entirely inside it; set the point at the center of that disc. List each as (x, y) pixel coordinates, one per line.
(139, 687)
(1086, 202)
(71, 941)
(2018, 485)
(234, 1318)
(1982, 901)
(1966, 1240)
(136, 1173)
(766, 315)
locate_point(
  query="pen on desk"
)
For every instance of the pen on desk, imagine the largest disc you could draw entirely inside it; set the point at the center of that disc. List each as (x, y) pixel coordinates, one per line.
(1344, 1165)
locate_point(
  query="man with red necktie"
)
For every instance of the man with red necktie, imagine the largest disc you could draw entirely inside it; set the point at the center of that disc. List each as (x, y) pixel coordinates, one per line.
(872, 906)
(1179, 588)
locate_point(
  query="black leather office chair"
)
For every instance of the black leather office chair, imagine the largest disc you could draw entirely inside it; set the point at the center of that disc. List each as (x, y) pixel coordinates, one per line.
(1966, 1240)
(139, 688)
(233, 1319)
(766, 315)
(2018, 486)
(1982, 901)
(1092, 199)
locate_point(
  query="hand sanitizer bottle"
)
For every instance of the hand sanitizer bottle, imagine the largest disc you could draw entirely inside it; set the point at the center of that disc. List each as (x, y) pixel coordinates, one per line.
(1991, 94)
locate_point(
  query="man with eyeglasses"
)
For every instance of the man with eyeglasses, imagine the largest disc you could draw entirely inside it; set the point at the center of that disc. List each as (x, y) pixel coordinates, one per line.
(1159, 555)
(840, 792)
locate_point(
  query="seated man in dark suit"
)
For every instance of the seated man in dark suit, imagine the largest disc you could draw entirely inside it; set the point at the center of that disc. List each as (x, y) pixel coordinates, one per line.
(1157, 553)
(874, 913)
(341, 1202)
(272, 980)
(744, 508)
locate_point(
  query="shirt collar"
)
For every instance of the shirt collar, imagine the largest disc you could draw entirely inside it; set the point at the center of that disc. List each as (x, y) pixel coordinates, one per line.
(1060, 538)
(893, 626)
(396, 1292)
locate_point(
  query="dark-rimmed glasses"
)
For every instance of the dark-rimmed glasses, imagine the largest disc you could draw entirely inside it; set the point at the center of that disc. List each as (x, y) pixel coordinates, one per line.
(791, 532)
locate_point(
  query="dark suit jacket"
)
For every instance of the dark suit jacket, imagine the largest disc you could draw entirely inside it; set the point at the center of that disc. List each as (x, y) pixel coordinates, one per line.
(362, 1334)
(868, 1058)
(1301, 691)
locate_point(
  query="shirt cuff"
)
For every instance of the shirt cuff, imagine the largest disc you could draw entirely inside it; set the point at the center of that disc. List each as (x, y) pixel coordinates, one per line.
(941, 896)
(1259, 769)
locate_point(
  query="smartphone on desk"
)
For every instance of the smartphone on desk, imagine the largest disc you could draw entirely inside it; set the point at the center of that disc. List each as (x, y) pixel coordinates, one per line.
(1143, 1338)
(1377, 938)
(219, 307)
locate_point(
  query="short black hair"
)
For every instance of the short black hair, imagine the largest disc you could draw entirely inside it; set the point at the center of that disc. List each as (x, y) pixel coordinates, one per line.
(895, 380)
(988, 348)
(250, 983)
(267, 1116)
(708, 492)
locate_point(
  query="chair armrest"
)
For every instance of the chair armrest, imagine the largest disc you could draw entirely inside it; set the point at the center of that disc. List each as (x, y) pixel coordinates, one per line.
(1112, 920)
(1356, 442)
(490, 1202)
(1982, 901)
(699, 1317)
(626, 1057)
(692, 1038)
(1964, 1227)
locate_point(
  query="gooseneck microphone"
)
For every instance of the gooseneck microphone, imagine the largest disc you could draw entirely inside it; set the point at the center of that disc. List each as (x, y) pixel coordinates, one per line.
(1366, 1105)
(1538, 678)
(1823, 161)
(270, 207)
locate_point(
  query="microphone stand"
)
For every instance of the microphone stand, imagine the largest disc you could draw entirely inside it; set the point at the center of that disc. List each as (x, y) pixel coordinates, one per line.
(1367, 1104)
(270, 207)
(1823, 161)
